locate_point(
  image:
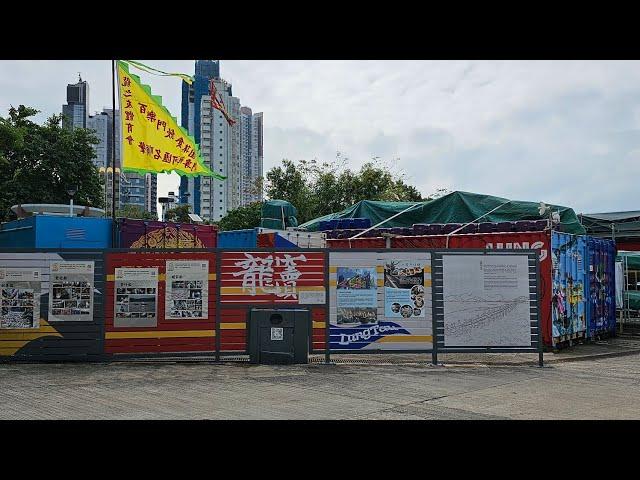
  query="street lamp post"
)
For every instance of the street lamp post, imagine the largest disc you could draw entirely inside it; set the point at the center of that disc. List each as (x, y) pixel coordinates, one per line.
(71, 190)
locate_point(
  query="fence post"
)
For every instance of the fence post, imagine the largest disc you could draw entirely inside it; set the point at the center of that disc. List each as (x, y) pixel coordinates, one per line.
(434, 322)
(540, 336)
(327, 331)
(218, 258)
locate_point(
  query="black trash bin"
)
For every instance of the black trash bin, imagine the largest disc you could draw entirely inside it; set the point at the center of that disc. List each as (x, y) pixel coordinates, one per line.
(279, 336)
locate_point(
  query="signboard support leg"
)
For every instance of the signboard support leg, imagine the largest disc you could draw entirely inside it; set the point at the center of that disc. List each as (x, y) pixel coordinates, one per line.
(218, 258)
(327, 326)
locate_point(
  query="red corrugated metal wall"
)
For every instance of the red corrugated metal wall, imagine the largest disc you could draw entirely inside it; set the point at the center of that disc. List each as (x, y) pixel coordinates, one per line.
(182, 335)
(374, 242)
(265, 280)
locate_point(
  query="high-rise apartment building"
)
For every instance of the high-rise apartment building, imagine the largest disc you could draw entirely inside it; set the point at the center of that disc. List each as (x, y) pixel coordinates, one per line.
(100, 123)
(131, 188)
(233, 151)
(76, 110)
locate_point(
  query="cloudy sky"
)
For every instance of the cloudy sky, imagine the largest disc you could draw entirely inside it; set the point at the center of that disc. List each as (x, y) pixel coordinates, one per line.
(563, 132)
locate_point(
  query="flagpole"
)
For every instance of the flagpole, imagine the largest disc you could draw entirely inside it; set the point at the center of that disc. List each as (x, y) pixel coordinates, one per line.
(113, 152)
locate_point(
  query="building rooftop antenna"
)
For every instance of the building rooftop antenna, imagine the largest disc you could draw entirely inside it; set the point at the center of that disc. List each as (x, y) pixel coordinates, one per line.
(79, 78)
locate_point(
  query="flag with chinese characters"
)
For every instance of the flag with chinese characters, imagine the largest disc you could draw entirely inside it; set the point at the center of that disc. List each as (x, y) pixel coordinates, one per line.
(152, 140)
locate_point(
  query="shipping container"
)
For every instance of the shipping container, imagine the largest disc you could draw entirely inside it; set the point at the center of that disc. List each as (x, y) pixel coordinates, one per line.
(51, 231)
(134, 233)
(251, 238)
(601, 306)
(568, 287)
(374, 242)
(295, 238)
(238, 238)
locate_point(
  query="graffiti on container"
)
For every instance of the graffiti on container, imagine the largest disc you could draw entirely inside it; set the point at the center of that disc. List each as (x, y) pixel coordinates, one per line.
(258, 272)
(567, 302)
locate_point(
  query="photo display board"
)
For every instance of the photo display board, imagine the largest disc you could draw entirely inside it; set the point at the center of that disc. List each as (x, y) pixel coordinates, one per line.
(187, 293)
(380, 301)
(404, 289)
(19, 298)
(71, 291)
(487, 300)
(136, 297)
(357, 296)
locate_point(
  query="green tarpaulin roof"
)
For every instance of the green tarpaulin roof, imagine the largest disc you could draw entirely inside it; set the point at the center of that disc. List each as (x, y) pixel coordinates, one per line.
(632, 259)
(456, 207)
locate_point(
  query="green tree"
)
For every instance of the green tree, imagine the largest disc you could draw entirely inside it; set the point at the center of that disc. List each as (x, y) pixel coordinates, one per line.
(135, 211)
(242, 217)
(179, 214)
(318, 189)
(39, 162)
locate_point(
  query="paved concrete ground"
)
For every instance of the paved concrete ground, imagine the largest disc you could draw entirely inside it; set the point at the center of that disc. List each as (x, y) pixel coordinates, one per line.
(499, 387)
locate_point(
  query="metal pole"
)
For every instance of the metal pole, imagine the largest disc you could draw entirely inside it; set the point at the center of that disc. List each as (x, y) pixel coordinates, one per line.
(327, 310)
(113, 151)
(386, 220)
(71, 207)
(473, 221)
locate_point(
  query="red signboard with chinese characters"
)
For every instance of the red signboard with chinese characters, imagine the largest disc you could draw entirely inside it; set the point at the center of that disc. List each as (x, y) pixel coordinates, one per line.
(273, 277)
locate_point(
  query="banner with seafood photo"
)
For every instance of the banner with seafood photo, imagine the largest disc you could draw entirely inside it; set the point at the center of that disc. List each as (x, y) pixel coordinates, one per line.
(380, 301)
(404, 289)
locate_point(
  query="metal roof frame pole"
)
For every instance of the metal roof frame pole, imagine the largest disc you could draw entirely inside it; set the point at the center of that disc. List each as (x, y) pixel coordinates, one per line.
(474, 221)
(384, 221)
(327, 312)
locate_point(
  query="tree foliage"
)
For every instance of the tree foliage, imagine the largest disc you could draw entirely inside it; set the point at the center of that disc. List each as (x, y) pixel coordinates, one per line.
(39, 162)
(135, 211)
(242, 217)
(318, 189)
(179, 214)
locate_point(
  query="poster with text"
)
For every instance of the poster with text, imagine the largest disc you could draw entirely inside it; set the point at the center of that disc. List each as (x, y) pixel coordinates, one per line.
(19, 298)
(136, 297)
(486, 300)
(187, 293)
(71, 291)
(356, 296)
(404, 289)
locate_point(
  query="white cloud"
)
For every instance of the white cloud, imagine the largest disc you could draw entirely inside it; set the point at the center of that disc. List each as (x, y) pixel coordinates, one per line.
(560, 131)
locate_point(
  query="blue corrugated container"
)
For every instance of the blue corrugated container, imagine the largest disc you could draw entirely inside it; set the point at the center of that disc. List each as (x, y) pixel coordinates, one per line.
(238, 238)
(569, 284)
(601, 306)
(49, 231)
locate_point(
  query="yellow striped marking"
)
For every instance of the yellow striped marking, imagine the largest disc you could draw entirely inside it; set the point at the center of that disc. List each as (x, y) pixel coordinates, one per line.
(161, 334)
(380, 269)
(381, 282)
(319, 324)
(406, 338)
(13, 340)
(233, 326)
(333, 269)
(427, 269)
(259, 291)
(333, 283)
